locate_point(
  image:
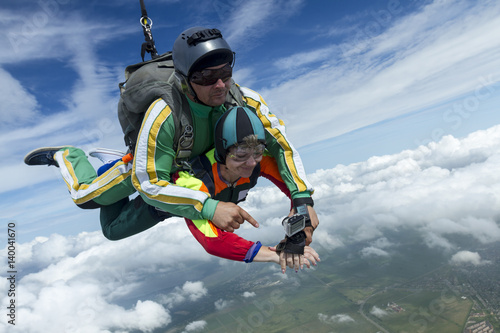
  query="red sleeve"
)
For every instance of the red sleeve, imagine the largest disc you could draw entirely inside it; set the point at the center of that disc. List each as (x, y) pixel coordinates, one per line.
(222, 244)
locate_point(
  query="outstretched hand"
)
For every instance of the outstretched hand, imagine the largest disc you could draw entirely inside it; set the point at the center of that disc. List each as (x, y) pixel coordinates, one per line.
(297, 261)
(228, 216)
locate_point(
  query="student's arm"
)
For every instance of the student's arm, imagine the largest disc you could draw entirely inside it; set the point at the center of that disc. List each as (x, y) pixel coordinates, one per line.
(223, 244)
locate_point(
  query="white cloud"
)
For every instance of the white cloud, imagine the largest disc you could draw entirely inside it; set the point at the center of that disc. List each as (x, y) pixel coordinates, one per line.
(15, 97)
(378, 312)
(190, 291)
(91, 98)
(419, 59)
(82, 305)
(373, 252)
(325, 239)
(222, 304)
(467, 257)
(247, 294)
(377, 248)
(196, 326)
(382, 243)
(194, 290)
(448, 187)
(338, 318)
(85, 282)
(37, 33)
(298, 60)
(246, 20)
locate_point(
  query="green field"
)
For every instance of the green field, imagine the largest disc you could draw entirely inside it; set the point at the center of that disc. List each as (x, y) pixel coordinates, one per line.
(345, 293)
(422, 311)
(282, 309)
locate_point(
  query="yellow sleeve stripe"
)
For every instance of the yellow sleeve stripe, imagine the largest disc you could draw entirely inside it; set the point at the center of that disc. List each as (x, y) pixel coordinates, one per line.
(81, 193)
(163, 112)
(276, 128)
(206, 227)
(144, 176)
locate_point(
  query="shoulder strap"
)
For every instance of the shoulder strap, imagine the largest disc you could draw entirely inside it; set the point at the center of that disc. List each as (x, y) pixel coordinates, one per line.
(184, 134)
(255, 175)
(145, 82)
(184, 131)
(235, 97)
(201, 168)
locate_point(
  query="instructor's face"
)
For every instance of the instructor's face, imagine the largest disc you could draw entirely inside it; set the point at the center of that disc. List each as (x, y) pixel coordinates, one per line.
(214, 94)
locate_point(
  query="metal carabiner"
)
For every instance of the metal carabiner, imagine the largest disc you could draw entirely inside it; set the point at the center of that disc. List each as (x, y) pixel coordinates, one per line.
(148, 22)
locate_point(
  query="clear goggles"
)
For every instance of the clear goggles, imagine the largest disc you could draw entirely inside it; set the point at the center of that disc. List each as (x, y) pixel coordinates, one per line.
(243, 153)
(207, 77)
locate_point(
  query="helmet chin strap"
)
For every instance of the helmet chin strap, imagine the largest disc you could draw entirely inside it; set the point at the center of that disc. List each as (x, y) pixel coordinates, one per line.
(191, 92)
(187, 88)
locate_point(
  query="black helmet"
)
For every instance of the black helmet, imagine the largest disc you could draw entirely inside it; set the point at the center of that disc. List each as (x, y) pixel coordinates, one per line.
(198, 48)
(232, 127)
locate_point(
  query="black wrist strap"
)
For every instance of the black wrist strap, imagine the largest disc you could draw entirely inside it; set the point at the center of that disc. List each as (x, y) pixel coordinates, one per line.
(303, 201)
(302, 209)
(281, 246)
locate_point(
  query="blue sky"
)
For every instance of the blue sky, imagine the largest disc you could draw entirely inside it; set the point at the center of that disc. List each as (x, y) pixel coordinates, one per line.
(351, 79)
(367, 89)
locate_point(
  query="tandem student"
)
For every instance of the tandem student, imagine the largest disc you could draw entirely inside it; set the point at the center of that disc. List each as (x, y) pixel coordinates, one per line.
(226, 173)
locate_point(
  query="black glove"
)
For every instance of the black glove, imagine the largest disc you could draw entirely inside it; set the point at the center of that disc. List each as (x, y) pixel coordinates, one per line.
(294, 244)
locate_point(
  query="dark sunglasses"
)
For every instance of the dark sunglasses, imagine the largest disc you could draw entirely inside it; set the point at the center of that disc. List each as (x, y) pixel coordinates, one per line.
(207, 77)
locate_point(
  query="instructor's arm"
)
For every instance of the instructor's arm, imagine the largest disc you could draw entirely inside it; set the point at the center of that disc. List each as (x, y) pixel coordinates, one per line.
(228, 216)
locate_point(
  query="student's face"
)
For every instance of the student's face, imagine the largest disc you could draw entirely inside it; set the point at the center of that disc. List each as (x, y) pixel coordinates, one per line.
(242, 169)
(214, 94)
(242, 164)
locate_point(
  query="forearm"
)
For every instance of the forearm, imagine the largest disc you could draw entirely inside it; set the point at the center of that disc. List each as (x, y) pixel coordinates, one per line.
(265, 254)
(187, 210)
(216, 242)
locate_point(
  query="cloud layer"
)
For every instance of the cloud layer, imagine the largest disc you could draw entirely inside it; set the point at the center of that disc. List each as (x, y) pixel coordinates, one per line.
(83, 283)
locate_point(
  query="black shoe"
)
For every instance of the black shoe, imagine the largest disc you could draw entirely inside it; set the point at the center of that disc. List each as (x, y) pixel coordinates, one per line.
(43, 156)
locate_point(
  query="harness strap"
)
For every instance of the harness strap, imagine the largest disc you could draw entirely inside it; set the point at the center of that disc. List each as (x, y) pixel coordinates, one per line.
(185, 143)
(201, 168)
(149, 44)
